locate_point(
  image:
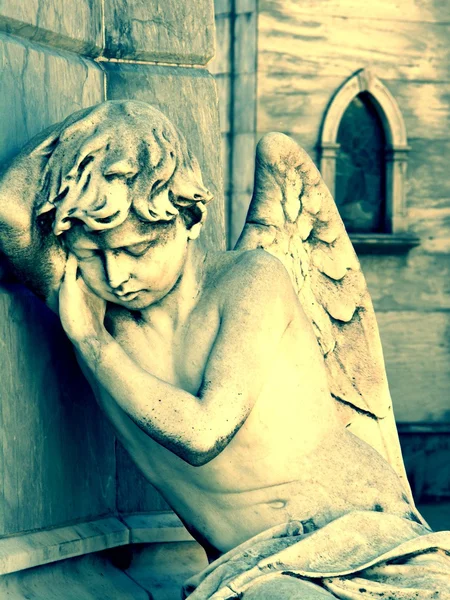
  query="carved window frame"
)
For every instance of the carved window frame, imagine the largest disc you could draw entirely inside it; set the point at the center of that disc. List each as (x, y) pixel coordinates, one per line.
(396, 156)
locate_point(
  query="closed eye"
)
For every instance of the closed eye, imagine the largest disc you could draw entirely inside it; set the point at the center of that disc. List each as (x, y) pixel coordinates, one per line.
(139, 249)
(115, 177)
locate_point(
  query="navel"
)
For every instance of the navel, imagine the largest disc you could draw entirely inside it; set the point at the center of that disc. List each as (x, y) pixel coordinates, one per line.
(277, 504)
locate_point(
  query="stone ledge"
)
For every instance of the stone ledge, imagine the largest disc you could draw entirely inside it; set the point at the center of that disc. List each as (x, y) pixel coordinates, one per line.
(383, 243)
(157, 527)
(41, 547)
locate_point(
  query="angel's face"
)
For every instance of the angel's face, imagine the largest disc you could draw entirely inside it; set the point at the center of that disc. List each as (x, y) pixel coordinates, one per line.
(133, 265)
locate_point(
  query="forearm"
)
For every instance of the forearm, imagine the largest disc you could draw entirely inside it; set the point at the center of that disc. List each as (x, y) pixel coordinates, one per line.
(33, 254)
(172, 417)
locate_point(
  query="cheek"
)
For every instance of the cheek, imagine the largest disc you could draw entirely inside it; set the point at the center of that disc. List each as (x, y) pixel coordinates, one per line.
(160, 269)
(92, 273)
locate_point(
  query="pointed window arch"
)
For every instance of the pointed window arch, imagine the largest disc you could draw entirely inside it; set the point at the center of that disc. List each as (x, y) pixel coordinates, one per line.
(364, 126)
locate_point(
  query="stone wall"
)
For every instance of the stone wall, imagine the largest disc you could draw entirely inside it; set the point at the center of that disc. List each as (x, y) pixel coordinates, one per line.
(234, 67)
(59, 459)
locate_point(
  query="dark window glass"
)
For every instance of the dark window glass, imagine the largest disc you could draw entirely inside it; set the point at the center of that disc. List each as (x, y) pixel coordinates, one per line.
(360, 167)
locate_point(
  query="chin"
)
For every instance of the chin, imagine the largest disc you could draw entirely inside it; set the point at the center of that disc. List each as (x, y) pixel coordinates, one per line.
(139, 303)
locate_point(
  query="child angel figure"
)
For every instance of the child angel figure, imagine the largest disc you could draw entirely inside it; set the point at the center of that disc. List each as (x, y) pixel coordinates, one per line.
(248, 386)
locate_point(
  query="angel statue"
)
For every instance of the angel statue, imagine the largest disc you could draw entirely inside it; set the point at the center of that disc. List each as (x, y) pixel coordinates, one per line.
(248, 385)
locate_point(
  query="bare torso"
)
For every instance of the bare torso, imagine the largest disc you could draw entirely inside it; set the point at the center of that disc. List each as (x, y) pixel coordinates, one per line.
(292, 458)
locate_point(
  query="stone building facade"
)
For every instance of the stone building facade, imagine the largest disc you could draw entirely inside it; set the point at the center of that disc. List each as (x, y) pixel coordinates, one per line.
(302, 68)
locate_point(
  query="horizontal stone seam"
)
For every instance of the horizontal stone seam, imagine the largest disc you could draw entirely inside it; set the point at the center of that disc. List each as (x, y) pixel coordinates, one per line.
(154, 63)
(67, 43)
(41, 46)
(96, 57)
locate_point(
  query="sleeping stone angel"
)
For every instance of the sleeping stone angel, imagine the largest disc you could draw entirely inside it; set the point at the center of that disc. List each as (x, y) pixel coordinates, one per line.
(248, 386)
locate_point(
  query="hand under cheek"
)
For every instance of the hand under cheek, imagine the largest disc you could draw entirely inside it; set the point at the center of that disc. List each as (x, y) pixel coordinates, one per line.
(96, 282)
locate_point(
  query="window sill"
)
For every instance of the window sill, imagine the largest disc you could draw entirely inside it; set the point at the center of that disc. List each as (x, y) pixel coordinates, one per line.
(383, 243)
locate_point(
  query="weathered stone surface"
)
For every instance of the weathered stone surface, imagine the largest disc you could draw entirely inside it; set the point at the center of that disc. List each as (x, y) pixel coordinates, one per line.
(417, 350)
(156, 527)
(432, 225)
(243, 157)
(425, 108)
(416, 281)
(193, 109)
(428, 184)
(245, 36)
(401, 10)
(225, 156)
(161, 569)
(221, 64)
(287, 587)
(39, 548)
(221, 7)
(223, 83)
(244, 106)
(245, 6)
(294, 104)
(56, 443)
(241, 202)
(43, 456)
(88, 577)
(167, 31)
(41, 87)
(291, 42)
(74, 26)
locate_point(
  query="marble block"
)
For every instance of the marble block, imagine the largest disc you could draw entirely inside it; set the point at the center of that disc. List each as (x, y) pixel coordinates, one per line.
(223, 84)
(45, 402)
(41, 86)
(74, 26)
(192, 109)
(169, 31)
(221, 63)
(57, 452)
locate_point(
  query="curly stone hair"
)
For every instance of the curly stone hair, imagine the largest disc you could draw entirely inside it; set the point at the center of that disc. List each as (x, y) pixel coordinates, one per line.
(117, 157)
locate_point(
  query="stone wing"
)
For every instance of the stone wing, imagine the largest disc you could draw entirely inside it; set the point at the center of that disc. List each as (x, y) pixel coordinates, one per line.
(294, 217)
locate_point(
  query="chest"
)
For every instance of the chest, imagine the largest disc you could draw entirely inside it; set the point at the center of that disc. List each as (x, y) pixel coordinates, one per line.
(177, 357)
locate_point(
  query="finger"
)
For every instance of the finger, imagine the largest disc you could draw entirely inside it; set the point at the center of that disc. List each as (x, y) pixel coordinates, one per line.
(70, 273)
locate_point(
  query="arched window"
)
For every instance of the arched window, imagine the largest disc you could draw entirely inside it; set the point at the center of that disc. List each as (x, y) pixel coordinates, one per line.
(363, 149)
(360, 180)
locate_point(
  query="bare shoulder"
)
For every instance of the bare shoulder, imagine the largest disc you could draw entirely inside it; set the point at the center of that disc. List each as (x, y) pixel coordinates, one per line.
(253, 277)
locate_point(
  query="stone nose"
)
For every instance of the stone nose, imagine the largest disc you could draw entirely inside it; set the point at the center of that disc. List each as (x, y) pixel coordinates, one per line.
(116, 272)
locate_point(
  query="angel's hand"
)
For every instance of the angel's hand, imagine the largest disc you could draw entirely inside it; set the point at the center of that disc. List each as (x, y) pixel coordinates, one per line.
(82, 313)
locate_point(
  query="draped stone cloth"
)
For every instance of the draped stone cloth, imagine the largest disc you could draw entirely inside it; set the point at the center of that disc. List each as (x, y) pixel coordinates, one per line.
(359, 555)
